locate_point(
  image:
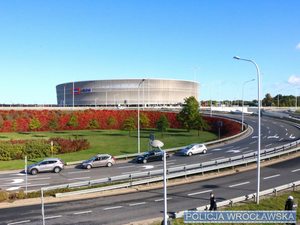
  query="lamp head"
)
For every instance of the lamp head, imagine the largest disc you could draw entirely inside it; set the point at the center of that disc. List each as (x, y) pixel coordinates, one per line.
(237, 57)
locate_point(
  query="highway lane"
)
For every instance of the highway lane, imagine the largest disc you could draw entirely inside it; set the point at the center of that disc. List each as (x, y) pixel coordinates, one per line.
(141, 205)
(274, 133)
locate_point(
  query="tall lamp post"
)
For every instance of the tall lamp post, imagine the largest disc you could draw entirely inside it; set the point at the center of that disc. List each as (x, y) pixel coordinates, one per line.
(138, 122)
(159, 144)
(243, 102)
(259, 124)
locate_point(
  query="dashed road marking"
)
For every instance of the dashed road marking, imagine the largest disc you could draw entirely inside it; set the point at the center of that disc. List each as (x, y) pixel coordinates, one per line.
(161, 199)
(296, 170)
(269, 177)
(200, 192)
(83, 212)
(52, 217)
(138, 203)
(114, 207)
(19, 222)
(239, 184)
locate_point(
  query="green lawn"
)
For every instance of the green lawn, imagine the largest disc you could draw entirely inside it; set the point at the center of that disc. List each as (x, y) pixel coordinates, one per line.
(115, 142)
(269, 203)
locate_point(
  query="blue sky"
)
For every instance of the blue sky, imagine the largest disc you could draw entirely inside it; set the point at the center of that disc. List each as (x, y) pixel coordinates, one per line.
(45, 43)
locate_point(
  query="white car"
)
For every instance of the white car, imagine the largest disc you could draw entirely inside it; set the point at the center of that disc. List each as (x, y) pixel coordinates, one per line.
(193, 149)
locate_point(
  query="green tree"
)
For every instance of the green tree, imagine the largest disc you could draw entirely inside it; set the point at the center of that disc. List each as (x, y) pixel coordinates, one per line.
(162, 124)
(200, 124)
(144, 120)
(73, 122)
(267, 101)
(34, 124)
(93, 124)
(53, 125)
(189, 113)
(111, 121)
(129, 125)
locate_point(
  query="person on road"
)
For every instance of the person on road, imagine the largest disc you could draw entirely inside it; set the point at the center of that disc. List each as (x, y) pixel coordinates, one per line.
(213, 202)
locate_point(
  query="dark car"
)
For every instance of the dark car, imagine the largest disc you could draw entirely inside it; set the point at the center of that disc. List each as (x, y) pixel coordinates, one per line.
(153, 155)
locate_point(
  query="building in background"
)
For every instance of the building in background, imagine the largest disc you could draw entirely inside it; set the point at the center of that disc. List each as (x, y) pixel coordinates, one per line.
(126, 92)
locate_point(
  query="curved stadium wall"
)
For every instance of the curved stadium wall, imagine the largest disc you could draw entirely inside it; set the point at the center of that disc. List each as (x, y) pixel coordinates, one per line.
(129, 92)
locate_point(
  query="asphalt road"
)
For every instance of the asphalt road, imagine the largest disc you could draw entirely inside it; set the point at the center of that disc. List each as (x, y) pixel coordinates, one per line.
(274, 133)
(142, 205)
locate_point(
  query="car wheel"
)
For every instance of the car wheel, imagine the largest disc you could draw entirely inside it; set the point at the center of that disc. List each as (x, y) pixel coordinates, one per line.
(34, 171)
(190, 154)
(204, 151)
(109, 164)
(145, 161)
(56, 170)
(89, 167)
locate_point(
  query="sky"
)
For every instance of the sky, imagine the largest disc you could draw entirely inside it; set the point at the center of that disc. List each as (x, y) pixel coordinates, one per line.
(49, 42)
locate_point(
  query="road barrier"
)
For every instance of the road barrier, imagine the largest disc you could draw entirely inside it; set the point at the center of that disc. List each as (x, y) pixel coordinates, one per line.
(230, 202)
(179, 171)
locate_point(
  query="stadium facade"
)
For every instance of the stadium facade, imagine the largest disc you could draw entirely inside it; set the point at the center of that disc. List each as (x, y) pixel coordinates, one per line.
(129, 92)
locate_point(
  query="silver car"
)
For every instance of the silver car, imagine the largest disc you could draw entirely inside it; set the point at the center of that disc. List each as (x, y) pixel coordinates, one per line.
(99, 160)
(47, 165)
(193, 149)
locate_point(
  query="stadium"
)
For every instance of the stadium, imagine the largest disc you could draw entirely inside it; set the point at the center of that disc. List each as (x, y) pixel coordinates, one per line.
(126, 92)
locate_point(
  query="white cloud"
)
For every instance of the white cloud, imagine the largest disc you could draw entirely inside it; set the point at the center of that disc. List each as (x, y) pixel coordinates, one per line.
(298, 46)
(294, 80)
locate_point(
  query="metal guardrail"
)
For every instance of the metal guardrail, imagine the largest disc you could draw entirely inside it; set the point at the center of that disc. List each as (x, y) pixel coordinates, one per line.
(181, 171)
(245, 197)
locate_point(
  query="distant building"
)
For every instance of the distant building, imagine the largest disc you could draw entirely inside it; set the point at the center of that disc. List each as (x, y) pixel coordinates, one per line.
(129, 92)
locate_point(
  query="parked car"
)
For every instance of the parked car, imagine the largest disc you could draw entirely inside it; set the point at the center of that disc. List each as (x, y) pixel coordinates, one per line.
(153, 155)
(47, 165)
(193, 149)
(99, 160)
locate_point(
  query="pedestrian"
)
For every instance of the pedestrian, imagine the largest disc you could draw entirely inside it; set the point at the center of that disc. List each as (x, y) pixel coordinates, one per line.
(289, 205)
(213, 202)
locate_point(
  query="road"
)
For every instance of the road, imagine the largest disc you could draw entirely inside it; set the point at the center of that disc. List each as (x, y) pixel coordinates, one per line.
(274, 133)
(142, 205)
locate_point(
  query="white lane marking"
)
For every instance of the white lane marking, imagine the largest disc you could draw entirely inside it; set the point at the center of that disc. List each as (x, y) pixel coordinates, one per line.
(296, 170)
(52, 217)
(200, 192)
(254, 136)
(18, 174)
(123, 167)
(268, 145)
(280, 139)
(17, 181)
(286, 134)
(268, 128)
(13, 188)
(233, 151)
(292, 136)
(83, 212)
(161, 199)
(19, 222)
(83, 171)
(148, 167)
(79, 178)
(41, 178)
(253, 142)
(269, 177)
(216, 149)
(269, 132)
(286, 129)
(275, 136)
(115, 207)
(235, 185)
(170, 163)
(138, 203)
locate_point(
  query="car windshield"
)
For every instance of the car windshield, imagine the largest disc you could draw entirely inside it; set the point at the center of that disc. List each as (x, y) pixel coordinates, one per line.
(190, 146)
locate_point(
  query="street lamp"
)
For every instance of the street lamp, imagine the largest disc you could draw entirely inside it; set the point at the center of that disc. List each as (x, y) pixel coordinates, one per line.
(243, 102)
(159, 144)
(138, 122)
(259, 126)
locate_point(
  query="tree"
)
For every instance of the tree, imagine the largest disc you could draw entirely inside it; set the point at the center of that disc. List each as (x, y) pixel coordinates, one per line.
(162, 124)
(144, 120)
(93, 124)
(267, 101)
(200, 124)
(34, 124)
(129, 125)
(73, 122)
(189, 113)
(111, 121)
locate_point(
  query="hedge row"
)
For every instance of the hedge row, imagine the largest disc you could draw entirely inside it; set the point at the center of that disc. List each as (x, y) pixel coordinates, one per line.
(11, 150)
